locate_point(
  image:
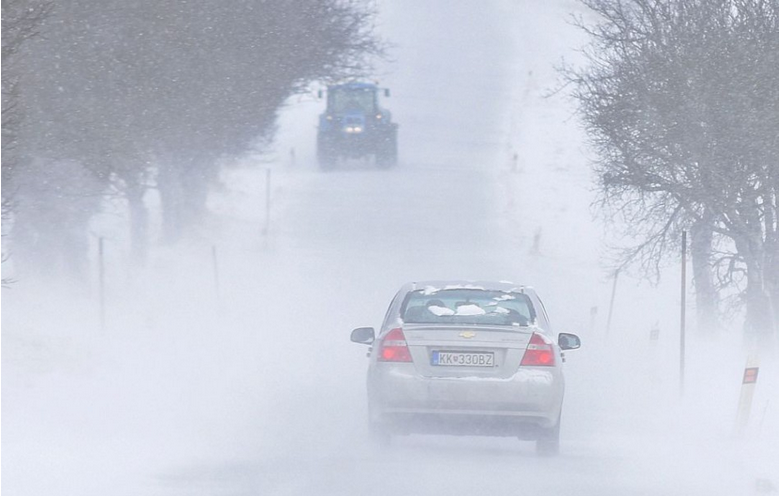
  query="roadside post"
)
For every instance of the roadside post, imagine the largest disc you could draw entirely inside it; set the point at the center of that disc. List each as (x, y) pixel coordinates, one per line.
(655, 333)
(611, 302)
(683, 309)
(215, 272)
(268, 200)
(101, 286)
(749, 377)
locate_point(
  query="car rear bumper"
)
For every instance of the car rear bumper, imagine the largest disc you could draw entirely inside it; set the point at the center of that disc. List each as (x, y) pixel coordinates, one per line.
(525, 427)
(528, 401)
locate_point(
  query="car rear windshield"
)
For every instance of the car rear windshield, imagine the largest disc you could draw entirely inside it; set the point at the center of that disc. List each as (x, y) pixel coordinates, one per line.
(467, 306)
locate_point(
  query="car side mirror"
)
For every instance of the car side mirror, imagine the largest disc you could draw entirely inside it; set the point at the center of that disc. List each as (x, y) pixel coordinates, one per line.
(386, 92)
(364, 335)
(320, 94)
(568, 341)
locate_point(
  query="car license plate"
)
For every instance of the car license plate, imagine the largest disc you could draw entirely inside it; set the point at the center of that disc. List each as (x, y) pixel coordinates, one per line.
(473, 359)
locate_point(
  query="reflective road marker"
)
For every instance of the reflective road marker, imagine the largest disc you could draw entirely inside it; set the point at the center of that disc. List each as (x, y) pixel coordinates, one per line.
(749, 378)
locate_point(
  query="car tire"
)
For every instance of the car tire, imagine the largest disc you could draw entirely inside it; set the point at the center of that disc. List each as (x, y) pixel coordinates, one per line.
(548, 442)
(378, 428)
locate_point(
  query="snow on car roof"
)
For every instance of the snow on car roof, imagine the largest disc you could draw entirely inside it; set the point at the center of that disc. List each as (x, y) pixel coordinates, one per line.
(430, 287)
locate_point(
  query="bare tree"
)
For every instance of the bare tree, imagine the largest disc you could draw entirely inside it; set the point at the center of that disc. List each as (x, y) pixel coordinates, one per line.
(150, 93)
(21, 21)
(680, 100)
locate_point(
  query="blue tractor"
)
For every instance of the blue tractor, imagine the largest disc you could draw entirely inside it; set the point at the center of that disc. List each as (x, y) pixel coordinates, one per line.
(355, 126)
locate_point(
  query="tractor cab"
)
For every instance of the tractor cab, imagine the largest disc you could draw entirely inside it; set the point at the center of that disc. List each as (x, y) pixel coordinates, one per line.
(354, 125)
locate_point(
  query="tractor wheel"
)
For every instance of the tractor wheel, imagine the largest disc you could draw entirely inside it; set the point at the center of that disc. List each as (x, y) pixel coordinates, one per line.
(386, 152)
(327, 156)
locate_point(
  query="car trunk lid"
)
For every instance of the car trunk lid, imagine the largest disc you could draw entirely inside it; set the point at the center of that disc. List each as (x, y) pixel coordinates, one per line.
(466, 351)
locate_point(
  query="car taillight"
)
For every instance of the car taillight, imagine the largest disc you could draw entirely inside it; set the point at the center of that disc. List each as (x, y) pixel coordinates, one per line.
(539, 352)
(394, 348)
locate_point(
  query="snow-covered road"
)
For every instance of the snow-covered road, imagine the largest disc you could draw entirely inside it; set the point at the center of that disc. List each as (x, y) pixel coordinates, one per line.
(259, 391)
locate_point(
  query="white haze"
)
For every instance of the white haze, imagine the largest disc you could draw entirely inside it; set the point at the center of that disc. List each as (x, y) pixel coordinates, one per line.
(254, 388)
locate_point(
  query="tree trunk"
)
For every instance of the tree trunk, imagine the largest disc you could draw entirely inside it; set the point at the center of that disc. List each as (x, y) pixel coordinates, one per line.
(171, 202)
(706, 293)
(75, 250)
(758, 322)
(771, 264)
(772, 287)
(139, 220)
(773, 280)
(759, 314)
(195, 183)
(183, 193)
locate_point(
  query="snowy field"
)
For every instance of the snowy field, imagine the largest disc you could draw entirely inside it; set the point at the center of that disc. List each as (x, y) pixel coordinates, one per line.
(252, 387)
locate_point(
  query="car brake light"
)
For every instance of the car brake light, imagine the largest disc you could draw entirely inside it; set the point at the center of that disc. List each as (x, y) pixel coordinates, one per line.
(394, 348)
(539, 352)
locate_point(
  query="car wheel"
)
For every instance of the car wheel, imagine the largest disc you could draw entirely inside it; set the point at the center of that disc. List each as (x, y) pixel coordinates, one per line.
(548, 442)
(379, 431)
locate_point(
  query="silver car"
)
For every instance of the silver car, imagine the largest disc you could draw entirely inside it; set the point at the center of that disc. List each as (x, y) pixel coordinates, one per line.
(466, 358)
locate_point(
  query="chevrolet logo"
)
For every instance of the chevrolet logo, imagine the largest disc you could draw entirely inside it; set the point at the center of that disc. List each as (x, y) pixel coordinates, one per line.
(467, 334)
